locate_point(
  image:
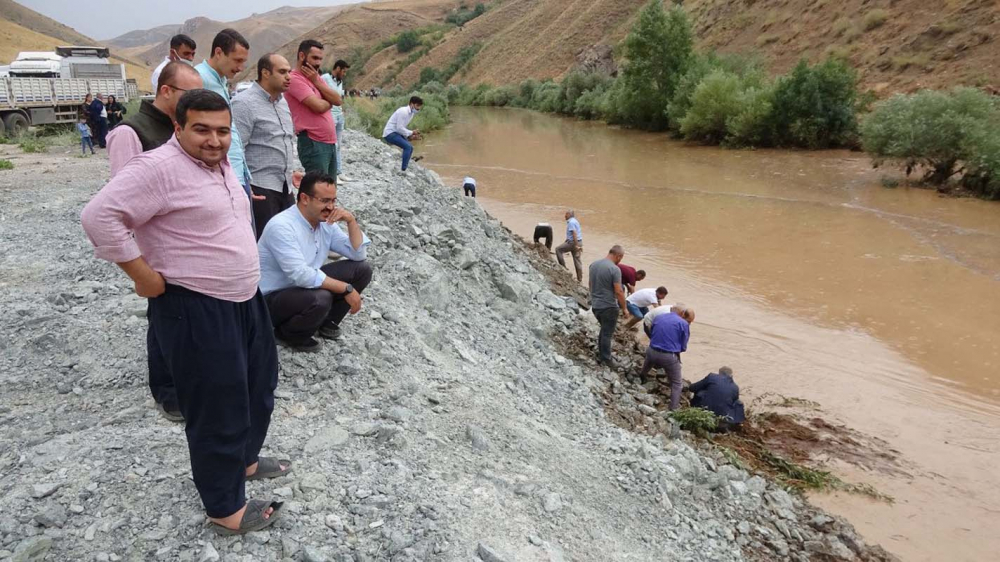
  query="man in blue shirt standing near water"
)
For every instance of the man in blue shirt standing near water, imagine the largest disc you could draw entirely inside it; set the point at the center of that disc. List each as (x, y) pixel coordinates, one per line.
(669, 338)
(573, 244)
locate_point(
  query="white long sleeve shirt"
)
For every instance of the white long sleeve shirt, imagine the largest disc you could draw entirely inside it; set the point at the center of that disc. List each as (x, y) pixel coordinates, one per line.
(398, 122)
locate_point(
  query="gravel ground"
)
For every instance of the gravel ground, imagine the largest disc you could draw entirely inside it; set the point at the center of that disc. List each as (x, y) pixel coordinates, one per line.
(443, 426)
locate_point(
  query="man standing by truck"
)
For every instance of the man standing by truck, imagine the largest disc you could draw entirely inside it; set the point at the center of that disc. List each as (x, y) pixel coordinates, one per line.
(99, 120)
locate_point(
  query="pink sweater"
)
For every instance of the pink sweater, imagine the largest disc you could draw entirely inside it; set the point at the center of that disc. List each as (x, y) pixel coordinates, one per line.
(191, 222)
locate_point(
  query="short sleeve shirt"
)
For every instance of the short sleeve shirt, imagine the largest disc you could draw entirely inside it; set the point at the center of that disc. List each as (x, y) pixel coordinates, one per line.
(628, 274)
(603, 276)
(319, 126)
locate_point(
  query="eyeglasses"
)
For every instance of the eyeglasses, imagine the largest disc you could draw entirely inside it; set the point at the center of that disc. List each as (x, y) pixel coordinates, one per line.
(325, 200)
(176, 88)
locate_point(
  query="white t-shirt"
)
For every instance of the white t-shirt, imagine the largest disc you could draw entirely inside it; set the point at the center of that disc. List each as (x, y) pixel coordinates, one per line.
(647, 320)
(155, 78)
(469, 181)
(643, 297)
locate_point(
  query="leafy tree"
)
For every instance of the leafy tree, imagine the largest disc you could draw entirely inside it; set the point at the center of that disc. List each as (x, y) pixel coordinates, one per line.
(657, 51)
(816, 106)
(407, 41)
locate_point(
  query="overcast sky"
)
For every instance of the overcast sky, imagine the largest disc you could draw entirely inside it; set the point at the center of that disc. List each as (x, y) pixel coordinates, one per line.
(105, 19)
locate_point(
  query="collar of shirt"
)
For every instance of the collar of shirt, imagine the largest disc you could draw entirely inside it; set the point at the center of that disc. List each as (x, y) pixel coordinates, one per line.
(301, 217)
(264, 94)
(220, 80)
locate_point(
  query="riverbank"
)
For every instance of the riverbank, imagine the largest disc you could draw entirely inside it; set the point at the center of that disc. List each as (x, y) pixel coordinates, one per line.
(444, 426)
(810, 280)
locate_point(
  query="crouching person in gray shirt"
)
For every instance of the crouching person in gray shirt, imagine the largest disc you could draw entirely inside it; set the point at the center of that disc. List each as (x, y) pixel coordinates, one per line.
(304, 296)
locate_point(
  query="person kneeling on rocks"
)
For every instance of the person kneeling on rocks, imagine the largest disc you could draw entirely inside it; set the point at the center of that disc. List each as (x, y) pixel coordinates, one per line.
(303, 295)
(669, 339)
(720, 394)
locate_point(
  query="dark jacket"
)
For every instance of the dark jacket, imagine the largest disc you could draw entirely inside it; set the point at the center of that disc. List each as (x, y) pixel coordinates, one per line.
(115, 113)
(719, 394)
(96, 107)
(152, 126)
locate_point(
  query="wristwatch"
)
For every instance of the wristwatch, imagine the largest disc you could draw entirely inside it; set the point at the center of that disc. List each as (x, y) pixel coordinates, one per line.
(349, 289)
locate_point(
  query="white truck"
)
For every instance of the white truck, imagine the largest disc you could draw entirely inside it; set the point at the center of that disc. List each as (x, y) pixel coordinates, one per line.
(43, 88)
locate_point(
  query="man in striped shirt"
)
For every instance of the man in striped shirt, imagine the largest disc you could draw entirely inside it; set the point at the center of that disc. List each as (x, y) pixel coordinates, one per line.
(261, 116)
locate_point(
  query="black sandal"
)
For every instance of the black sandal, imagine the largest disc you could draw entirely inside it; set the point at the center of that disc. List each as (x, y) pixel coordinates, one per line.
(253, 518)
(269, 467)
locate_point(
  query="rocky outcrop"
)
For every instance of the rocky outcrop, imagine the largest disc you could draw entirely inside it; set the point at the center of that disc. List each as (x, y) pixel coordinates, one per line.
(597, 58)
(445, 425)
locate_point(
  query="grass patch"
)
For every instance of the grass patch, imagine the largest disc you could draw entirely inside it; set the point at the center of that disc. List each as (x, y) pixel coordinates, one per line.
(874, 19)
(32, 144)
(6, 164)
(767, 39)
(840, 26)
(907, 61)
(889, 183)
(695, 420)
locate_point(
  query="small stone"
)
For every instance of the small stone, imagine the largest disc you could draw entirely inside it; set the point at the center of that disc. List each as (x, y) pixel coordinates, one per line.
(289, 547)
(91, 531)
(552, 502)
(34, 549)
(313, 554)
(535, 540)
(397, 414)
(284, 492)
(488, 554)
(53, 515)
(39, 491)
(376, 524)
(334, 522)
(328, 438)
(364, 429)
(77, 509)
(478, 438)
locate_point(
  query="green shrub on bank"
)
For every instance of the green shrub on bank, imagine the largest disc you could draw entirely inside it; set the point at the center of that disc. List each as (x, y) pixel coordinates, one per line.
(462, 16)
(815, 106)
(943, 133)
(30, 143)
(6, 164)
(407, 41)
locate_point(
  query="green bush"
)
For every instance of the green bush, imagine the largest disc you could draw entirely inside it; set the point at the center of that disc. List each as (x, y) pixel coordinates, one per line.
(31, 143)
(932, 129)
(657, 52)
(407, 41)
(695, 419)
(371, 117)
(6, 164)
(816, 106)
(713, 103)
(753, 125)
(461, 15)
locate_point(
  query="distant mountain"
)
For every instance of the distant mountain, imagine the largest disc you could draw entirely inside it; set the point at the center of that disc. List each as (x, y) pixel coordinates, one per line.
(265, 32)
(23, 29)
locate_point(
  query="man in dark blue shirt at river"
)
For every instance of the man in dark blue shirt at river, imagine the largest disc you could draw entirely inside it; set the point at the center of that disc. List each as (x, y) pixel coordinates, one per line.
(720, 394)
(670, 335)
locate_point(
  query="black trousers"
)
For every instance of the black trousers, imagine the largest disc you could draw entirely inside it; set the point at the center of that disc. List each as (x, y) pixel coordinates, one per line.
(225, 367)
(298, 313)
(102, 131)
(469, 189)
(608, 318)
(161, 383)
(543, 232)
(273, 203)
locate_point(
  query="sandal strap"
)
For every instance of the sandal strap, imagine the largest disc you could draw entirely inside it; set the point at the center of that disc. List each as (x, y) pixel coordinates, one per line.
(255, 512)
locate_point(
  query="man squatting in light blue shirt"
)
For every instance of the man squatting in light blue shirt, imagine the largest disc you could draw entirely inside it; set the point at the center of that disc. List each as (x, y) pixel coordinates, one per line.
(304, 296)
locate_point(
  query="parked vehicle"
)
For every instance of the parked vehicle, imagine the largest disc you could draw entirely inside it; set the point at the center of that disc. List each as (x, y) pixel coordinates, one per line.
(44, 88)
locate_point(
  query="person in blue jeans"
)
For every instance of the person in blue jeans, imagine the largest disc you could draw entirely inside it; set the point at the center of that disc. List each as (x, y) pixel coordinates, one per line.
(85, 140)
(396, 133)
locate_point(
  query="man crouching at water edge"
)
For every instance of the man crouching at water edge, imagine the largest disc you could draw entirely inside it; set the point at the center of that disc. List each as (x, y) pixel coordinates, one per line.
(670, 335)
(195, 258)
(303, 297)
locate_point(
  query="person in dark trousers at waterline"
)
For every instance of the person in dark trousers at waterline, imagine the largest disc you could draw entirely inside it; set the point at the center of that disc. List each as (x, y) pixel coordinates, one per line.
(669, 338)
(396, 133)
(543, 231)
(303, 295)
(720, 394)
(469, 185)
(607, 300)
(573, 245)
(195, 256)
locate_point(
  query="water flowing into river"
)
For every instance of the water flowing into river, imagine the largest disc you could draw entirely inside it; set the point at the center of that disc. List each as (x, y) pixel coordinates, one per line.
(809, 279)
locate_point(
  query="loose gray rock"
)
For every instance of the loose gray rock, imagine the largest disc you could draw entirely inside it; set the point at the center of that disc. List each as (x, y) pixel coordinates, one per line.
(209, 554)
(328, 438)
(34, 549)
(488, 554)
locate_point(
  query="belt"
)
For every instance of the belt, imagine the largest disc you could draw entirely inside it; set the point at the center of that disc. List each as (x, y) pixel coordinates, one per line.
(654, 348)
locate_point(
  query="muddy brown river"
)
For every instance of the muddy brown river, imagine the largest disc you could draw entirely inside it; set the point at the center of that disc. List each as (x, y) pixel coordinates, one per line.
(810, 279)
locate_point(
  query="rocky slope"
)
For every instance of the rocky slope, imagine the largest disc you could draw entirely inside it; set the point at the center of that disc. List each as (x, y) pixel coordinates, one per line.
(444, 426)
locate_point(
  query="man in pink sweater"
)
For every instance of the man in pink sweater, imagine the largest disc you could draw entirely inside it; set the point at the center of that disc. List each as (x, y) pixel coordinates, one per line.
(194, 255)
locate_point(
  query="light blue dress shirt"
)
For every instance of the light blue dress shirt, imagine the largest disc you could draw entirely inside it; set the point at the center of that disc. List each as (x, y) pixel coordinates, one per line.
(573, 225)
(217, 83)
(292, 251)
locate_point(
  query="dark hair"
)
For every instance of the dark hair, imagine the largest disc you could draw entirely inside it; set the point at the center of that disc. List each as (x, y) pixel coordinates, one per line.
(180, 39)
(112, 97)
(662, 290)
(170, 72)
(641, 272)
(308, 184)
(264, 63)
(199, 100)
(308, 44)
(227, 40)
(341, 63)
(417, 100)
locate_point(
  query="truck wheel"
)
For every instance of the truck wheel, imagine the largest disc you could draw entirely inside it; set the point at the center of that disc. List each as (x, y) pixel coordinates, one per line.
(16, 124)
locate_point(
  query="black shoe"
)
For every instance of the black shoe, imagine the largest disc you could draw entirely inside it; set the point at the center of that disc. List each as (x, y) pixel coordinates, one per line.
(418, 158)
(171, 413)
(308, 345)
(330, 332)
